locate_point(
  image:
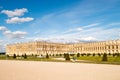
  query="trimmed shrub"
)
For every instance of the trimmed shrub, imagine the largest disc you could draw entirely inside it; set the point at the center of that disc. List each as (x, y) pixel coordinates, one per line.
(64, 55)
(113, 55)
(104, 57)
(109, 54)
(53, 55)
(60, 54)
(67, 57)
(14, 56)
(47, 56)
(41, 55)
(72, 54)
(88, 54)
(118, 54)
(35, 55)
(18, 55)
(56, 54)
(99, 54)
(32, 55)
(93, 54)
(7, 56)
(82, 54)
(78, 54)
(25, 56)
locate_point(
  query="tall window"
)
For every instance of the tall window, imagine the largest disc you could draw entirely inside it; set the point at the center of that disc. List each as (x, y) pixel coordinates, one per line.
(113, 47)
(116, 46)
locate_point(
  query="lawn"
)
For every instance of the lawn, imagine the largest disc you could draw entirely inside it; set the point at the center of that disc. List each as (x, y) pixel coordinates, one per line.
(98, 59)
(30, 58)
(82, 59)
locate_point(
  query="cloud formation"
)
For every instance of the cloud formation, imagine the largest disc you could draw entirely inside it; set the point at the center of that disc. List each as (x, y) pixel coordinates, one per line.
(16, 12)
(16, 34)
(19, 20)
(12, 35)
(3, 28)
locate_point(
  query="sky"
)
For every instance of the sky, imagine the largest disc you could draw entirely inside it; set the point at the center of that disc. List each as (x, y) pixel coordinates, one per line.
(64, 21)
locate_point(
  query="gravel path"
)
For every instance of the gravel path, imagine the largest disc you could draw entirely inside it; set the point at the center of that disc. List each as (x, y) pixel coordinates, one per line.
(31, 70)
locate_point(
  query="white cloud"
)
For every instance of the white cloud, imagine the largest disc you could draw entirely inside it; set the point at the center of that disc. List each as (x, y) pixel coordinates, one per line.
(73, 30)
(16, 34)
(19, 20)
(16, 12)
(3, 28)
(81, 28)
(88, 38)
(13, 35)
(114, 24)
(68, 38)
(91, 25)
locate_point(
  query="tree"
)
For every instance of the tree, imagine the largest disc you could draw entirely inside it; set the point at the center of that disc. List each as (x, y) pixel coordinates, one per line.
(113, 55)
(53, 55)
(67, 57)
(104, 57)
(88, 54)
(118, 54)
(93, 54)
(41, 55)
(25, 56)
(47, 56)
(14, 56)
(64, 55)
(99, 54)
(78, 54)
(60, 54)
(82, 54)
(7, 56)
(32, 55)
(56, 54)
(109, 54)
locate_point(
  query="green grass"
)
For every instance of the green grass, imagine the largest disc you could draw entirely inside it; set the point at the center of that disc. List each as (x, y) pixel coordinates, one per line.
(82, 59)
(98, 59)
(29, 58)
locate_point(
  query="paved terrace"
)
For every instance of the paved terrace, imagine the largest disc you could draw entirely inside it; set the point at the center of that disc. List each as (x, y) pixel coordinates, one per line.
(31, 70)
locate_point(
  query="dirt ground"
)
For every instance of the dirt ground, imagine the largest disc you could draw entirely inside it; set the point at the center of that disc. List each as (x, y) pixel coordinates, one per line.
(31, 70)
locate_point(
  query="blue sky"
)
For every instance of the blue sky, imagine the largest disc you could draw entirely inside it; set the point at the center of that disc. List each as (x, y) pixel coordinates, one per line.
(59, 20)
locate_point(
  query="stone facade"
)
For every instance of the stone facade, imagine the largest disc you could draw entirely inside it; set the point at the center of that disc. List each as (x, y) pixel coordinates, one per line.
(38, 47)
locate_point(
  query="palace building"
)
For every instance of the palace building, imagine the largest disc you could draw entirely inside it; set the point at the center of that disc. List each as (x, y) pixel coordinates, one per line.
(42, 47)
